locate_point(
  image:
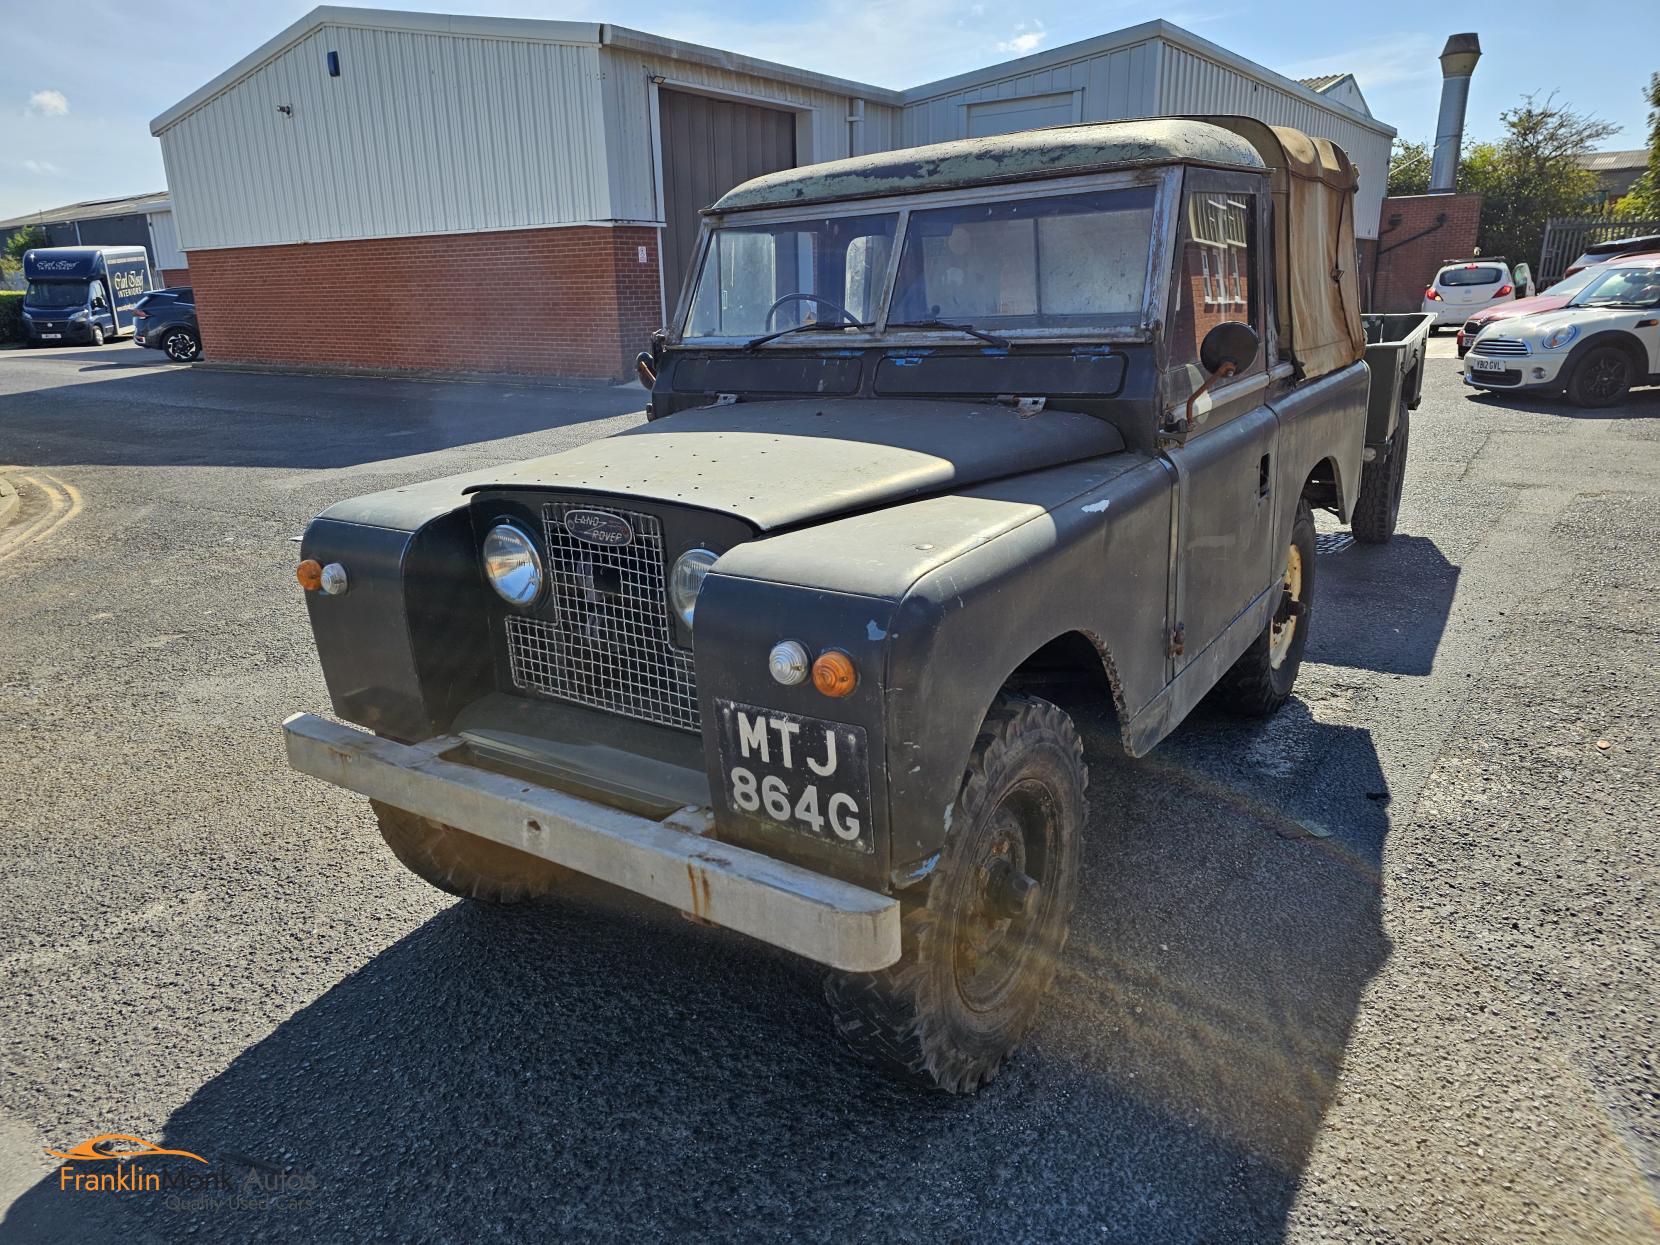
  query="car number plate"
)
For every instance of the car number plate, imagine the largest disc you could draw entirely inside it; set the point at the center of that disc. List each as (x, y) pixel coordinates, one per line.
(51, 336)
(1486, 365)
(803, 774)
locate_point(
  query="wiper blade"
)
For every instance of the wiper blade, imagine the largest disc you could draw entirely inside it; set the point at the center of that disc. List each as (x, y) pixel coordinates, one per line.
(816, 327)
(959, 328)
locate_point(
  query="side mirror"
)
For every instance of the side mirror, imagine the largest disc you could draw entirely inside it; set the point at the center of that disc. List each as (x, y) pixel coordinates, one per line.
(1230, 342)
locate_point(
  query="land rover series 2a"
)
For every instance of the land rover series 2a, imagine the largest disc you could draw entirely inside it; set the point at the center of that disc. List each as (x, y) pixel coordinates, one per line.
(923, 423)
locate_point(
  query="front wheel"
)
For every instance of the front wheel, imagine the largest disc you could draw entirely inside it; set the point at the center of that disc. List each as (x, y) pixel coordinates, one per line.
(1601, 378)
(1381, 483)
(181, 345)
(982, 944)
(1261, 680)
(464, 864)
(97, 335)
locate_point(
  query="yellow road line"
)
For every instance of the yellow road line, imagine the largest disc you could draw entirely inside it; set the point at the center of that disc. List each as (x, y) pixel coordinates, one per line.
(63, 503)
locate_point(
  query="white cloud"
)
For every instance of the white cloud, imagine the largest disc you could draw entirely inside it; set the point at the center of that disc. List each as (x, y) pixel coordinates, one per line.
(41, 168)
(48, 104)
(1027, 38)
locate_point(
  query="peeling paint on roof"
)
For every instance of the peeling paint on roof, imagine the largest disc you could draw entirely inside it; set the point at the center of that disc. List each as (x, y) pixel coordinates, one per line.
(1060, 151)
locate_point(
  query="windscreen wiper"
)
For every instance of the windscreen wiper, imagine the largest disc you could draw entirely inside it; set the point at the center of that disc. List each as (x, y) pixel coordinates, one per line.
(816, 327)
(959, 328)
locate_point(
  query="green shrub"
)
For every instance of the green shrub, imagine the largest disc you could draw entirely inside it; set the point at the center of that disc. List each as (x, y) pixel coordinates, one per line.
(11, 315)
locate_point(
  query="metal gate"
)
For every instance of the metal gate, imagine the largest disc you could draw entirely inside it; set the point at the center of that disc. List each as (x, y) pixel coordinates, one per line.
(709, 146)
(1566, 238)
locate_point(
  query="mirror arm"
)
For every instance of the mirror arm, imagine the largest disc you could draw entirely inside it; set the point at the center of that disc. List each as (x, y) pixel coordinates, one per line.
(1228, 368)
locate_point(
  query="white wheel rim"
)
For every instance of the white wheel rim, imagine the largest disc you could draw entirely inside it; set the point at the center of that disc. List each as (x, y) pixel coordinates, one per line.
(1280, 634)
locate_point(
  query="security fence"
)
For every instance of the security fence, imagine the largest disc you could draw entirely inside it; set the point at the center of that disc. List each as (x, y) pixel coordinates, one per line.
(1566, 238)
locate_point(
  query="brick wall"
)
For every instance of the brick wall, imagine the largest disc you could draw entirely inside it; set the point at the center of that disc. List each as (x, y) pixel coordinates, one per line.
(169, 277)
(1416, 235)
(575, 302)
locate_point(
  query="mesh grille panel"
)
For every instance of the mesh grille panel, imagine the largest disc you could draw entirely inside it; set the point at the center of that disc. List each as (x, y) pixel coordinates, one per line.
(607, 641)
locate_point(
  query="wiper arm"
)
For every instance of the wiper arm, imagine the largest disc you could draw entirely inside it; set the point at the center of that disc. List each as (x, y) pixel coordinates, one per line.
(816, 327)
(959, 328)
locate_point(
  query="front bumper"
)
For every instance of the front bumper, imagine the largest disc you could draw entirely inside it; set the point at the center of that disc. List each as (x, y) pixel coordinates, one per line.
(821, 918)
(77, 332)
(1518, 373)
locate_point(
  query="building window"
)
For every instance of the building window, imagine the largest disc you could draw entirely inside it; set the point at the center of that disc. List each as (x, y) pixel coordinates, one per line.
(1216, 280)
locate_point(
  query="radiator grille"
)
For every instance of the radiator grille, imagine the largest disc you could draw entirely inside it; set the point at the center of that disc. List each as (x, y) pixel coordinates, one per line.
(605, 640)
(1501, 346)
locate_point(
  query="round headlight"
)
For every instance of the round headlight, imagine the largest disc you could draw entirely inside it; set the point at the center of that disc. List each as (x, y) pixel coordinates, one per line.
(512, 565)
(687, 581)
(1559, 338)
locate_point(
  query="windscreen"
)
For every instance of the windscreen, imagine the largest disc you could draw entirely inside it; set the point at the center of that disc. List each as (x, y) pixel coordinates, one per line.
(1034, 262)
(56, 294)
(762, 278)
(1622, 287)
(1471, 274)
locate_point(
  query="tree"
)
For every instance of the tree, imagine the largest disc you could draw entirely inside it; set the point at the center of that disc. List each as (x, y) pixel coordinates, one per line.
(1643, 199)
(1530, 174)
(1409, 165)
(11, 254)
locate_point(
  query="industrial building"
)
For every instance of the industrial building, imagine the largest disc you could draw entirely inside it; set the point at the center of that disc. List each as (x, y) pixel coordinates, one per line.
(137, 220)
(410, 191)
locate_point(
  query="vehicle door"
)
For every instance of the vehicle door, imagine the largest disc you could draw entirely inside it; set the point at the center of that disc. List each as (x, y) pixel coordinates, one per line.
(1224, 463)
(98, 308)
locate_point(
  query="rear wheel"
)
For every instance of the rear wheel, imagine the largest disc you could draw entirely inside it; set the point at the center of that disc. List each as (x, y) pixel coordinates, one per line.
(464, 864)
(1381, 483)
(1261, 680)
(1602, 378)
(982, 944)
(181, 345)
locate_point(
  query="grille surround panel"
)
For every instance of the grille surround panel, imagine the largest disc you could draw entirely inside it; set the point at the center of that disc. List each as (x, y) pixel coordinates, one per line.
(603, 637)
(1501, 347)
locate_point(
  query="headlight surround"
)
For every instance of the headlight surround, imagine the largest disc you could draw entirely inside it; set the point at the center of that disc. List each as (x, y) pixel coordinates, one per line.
(686, 581)
(1560, 337)
(80, 315)
(512, 565)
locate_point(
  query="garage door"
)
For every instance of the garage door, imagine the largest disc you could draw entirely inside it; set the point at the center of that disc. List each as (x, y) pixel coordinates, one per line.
(1006, 116)
(709, 146)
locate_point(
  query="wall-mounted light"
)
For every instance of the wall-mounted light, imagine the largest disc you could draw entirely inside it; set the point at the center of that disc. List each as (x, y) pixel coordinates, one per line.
(334, 64)
(286, 110)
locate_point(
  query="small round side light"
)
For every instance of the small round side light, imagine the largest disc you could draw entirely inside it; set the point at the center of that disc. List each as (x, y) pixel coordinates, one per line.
(334, 580)
(788, 663)
(833, 674)
(310, 574)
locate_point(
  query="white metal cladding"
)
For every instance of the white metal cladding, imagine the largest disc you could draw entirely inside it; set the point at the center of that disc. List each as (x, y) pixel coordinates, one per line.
(1190, 83)
(420, 133)
(822, 128)
(1112, 85)
(164, 241)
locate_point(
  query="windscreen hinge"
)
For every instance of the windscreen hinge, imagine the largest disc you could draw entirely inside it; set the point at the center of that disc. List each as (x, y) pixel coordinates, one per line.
(1023, 407)
(725, 399)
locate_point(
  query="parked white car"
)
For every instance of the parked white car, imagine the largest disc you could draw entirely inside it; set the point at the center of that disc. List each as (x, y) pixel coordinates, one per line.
(1465, 286)
(1606, 340)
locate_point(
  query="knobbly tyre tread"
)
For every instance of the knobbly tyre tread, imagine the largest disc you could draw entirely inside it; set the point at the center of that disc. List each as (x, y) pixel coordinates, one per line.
(464, 864)
(890, 1018)
(1250, 688)
(1378, 506)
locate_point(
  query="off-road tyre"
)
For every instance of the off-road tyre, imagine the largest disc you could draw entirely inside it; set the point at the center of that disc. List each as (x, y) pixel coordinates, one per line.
(926, 1020)
(1381, 483)
(464, 864)
(1257, 684)
(1602, 378)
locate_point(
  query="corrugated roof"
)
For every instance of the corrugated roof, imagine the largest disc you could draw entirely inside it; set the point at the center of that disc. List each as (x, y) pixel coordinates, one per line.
(1324, 82)
(1608, 161)
(1061, 151)
(94, 209)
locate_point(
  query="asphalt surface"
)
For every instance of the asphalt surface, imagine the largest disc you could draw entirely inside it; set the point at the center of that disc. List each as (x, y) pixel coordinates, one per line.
(1382, 968)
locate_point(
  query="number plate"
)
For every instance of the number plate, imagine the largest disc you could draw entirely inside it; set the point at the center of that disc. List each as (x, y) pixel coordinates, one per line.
(1486, 365)
(804, 774)
(51, 336)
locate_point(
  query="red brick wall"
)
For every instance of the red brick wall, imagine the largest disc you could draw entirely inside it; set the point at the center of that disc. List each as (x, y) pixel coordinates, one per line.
(169, 277)
(572, 302)
(1416, 235)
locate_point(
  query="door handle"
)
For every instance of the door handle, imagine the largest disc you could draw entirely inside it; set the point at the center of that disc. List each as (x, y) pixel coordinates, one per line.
(1263, 478)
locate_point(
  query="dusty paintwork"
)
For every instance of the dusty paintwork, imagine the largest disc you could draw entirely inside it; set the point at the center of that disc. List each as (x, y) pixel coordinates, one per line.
(1063, 151)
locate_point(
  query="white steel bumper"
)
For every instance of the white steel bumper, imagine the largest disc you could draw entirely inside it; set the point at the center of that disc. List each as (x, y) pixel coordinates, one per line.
(821, 918)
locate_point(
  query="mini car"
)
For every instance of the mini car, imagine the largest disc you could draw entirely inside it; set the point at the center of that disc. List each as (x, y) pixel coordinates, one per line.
(1605, 340)
(1558, 295)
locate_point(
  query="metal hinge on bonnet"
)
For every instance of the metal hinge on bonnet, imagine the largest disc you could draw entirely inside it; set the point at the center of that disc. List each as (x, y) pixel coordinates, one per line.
(725, 399)
(1023, 407)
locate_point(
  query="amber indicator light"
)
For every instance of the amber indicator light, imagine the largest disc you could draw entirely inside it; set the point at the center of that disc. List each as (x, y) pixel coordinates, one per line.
(833, 674)
(310, 574)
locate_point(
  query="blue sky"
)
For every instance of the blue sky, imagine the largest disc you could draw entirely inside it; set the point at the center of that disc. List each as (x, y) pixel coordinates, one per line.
(76, 97)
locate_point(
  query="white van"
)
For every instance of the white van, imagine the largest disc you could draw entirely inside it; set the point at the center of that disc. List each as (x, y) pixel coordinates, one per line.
(1464, 286)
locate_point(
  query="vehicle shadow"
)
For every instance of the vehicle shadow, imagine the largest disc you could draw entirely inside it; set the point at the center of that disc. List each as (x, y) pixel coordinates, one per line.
(1366, 622)
(164, 415)
(597, 1068)
(1638, 404)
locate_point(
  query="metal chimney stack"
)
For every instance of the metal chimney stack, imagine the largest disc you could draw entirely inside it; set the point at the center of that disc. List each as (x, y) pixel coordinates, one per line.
(1458, 62)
